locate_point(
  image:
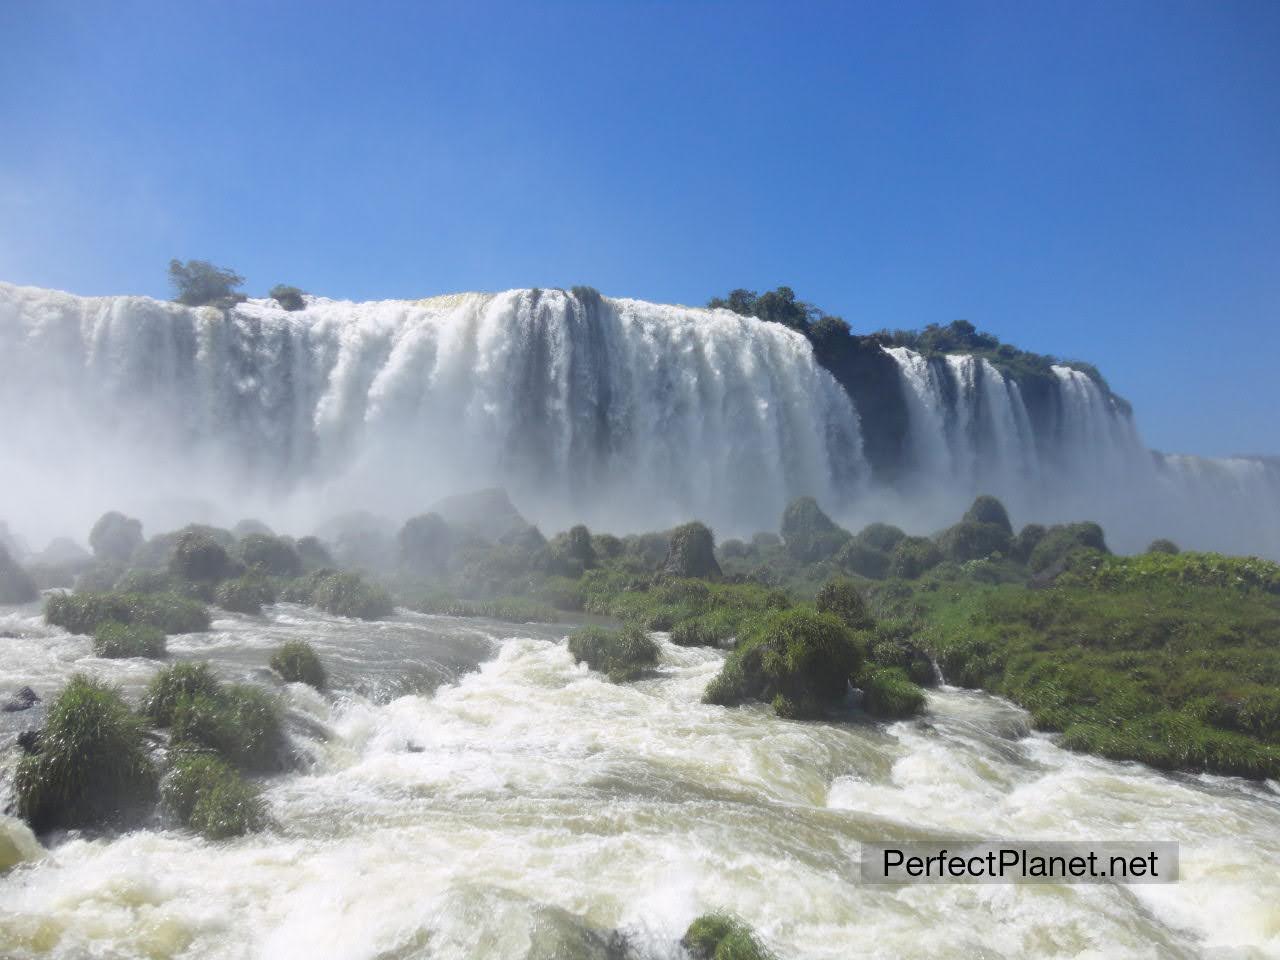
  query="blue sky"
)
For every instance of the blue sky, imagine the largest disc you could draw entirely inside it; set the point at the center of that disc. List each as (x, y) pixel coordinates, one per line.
(1093, 180)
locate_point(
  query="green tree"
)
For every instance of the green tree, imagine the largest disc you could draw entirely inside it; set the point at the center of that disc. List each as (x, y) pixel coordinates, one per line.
(199, 282)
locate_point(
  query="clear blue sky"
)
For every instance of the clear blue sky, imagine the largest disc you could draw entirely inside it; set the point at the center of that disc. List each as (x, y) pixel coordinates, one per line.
(1094, 180)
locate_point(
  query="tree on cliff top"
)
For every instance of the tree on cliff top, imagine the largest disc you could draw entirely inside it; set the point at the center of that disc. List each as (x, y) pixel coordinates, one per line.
(199, 282)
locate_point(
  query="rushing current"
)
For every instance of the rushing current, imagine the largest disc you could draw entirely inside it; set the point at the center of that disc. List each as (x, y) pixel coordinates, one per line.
(471, 792)
(624, 414)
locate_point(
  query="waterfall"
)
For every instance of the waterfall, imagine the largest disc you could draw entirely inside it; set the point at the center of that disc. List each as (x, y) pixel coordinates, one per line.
(620, 412)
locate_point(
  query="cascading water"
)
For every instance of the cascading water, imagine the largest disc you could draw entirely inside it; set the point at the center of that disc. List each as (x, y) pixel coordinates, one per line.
(585, 408)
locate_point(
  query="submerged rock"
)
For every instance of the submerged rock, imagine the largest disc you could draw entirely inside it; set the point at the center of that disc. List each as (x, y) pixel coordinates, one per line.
(24, 699)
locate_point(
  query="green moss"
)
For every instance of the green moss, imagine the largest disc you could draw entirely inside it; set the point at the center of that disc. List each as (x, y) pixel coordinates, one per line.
(82, 612)
(205, 794)
(296, 662)
(841, 598)
(719, 936)
(712, 629)
(692, 552)
(197, 556)
(889, 693)
(624, 654)
(239, 722)
(913, 557)
(804, 656)
(116, 640)
(92, 769)
(175, 683)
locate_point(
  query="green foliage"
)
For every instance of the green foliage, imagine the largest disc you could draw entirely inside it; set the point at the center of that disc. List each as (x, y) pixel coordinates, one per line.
(115, 537)
(711, 629)
(1060, 542)
(313, 554)
(987, 509)
(205, 794)
(82, 612)
(622, 654)
(774, 306)
(571, 554)
(719, 936)
(198, 282)
(841, 598)
(147, 581)
(889, 693)
(91, 769)
(173, 684)
(239, 722)
(199, 557)
(692, 552)
(245, 594)
(16, 584)
(973, 540)
(1155, 569)
(809, 534)
(270, 555)
(857, 556)
(348, 595)
(289, 298)
(1026, 541)
(1163, 546)
(913, 557)
(117, 640)
(803, 656)
(296, 662)
(510, 609)
(880, 536)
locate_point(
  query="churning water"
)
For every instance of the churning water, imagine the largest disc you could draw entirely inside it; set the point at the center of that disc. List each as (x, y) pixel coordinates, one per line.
(473, 793)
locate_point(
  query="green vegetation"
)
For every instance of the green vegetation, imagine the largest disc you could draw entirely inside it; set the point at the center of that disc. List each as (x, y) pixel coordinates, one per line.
(624, 654)
(198, 282)
(245, 594)
(198, 557)
(913, 557)
(889, 693)
(91, 768)
(289, 298)
(842, 599)
(1155, 569)
(296, 662)
(1163, 546)
(809, 534)
(692, 552)
(270, 555)
(510, 609)
(987, 509)
(798, 659)
(719, 936)
(117, 640)
(205, 794)
(349, 595)
(1061, 542)
(173, 684)
(239, 722)
(82, 612)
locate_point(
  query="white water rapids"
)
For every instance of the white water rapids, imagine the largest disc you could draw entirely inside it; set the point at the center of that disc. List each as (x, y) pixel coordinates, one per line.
(529, 808)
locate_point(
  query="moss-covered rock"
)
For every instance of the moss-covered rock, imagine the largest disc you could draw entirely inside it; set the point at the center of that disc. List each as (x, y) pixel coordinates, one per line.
(313, 554)
(1026, 541)
(692, 552)
(1060, 542)
(175, 683)
(349, 595)
(711, 629)
(245, 594)
(296, 662)
(198, 557)
(16, 584)
(719, 936)
(115, 537)
(622, 654)
(913, 557)
(118, 640)
(841, 598)
(987, 509)
(889, 693)
(804, 657)
(269, 555)
(1163, 546)
(973, 540)
(82, 612)
(91, 768)
(809, 534)
(239, 722)
(204, 793)
(880, 536)
(863, 559)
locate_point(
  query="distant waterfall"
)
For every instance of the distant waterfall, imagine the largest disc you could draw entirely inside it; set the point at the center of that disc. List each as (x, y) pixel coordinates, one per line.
(616, 411)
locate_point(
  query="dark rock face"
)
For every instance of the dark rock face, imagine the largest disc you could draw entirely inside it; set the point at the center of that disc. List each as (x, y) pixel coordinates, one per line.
(24, 699)
(692, 552)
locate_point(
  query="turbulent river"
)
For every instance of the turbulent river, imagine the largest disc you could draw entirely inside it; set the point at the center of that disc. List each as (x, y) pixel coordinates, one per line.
(471, 792)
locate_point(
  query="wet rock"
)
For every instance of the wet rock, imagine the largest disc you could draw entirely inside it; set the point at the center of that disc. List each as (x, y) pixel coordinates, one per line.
(24, 699)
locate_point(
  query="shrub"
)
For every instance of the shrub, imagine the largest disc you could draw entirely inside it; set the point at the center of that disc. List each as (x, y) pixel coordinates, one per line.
(563, 593)
(290, 298)
(348, 595)
(889, 693)
(972, 540)
(147, 581)
(913, 557)
(246, 594)
(16, 585)
(115, 537)
(208, 796)
(240, 722)
(718, 936)
(173, 684)
(116, 640)
(809, 534)
(198, 557)
(734, 550)
(510, 609)
(692, 552)
(424, 545)
(803, 656)
(880, 536)
(606, 545)
(622, 654)
(91, 768)
(707, 630)
(198, 282)
(273, 556)
(572, 553)
(1059, 543)
(1026, 541)
(862, 559)
(296, 662)
(987, 509)
(313, 554)
(1163, 546)
(82, 612)
(841, 598)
